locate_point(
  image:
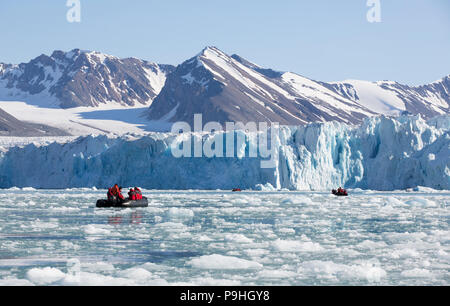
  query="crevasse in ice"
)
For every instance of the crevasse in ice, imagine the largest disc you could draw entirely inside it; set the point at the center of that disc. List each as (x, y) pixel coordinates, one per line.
(382, 153)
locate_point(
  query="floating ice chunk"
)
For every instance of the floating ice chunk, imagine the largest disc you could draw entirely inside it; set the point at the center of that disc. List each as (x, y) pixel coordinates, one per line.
(98, 267)
(238, 238)
(203, 238)
(285, 230)
(14, 282)
(137, 274)
(208, 281)
(149, 266)
(64, 209)
(38, 224)
(256, 252)
(424, 189)
(265, 187)
(369, 244)
(402, 237)
(443, 255)
(94, 279)
(394, 201)
(296, 246)
(274, 274)
(329, 269)
(172, 226)
(326, 269)
(403, 253)
(69, 245)
(45, 276)
(370, 272)
(287, 201)
(96, 230)
(421, 202)
(220, 262)
(417, 273)
(305, 200)
(179, 213)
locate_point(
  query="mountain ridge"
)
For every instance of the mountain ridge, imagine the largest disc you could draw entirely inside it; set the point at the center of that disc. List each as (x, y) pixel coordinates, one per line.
(82, 78)
(221, 87)
(231, 88)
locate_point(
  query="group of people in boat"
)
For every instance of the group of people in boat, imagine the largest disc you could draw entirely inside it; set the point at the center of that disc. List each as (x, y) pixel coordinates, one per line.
(115, 194)
(339, 192)
(135, 194)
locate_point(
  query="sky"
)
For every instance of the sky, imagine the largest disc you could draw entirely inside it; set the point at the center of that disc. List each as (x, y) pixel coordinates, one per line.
(324, 40)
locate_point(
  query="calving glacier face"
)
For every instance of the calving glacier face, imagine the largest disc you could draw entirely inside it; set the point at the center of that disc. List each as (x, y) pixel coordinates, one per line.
(382, 153)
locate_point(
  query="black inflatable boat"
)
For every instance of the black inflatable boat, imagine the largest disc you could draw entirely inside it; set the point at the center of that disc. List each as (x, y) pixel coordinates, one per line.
(340, 194)
(127, 203)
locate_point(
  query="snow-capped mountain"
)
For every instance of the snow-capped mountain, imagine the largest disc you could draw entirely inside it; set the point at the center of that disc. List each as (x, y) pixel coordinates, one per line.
(392, 98)
(222, 88)
(82, 78)
(229, 88)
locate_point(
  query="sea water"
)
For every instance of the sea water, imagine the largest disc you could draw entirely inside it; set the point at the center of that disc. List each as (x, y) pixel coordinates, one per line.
(59, 237)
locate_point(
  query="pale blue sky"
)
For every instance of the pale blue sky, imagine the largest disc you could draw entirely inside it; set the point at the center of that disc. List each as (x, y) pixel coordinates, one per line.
(323, 40)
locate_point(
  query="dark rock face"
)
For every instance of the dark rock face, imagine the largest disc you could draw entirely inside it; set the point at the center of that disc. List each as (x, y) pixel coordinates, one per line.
(82, 78)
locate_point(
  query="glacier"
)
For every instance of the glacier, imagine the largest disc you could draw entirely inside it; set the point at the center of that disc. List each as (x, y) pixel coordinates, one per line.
(382, 153)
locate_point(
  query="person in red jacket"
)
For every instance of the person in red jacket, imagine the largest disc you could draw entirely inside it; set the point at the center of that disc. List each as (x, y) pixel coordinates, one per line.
(138, 193)
(110, 195)
(115, 194)
(132, 194)
(120, 196)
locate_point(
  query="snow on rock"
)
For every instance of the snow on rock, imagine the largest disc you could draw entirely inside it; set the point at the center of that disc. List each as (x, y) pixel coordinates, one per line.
(382, 154)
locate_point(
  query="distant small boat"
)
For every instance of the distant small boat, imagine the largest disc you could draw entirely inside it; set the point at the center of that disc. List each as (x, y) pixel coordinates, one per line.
(343, 193)
(236, 190)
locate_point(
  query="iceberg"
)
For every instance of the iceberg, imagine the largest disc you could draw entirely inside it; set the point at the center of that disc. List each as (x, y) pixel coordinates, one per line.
(382, 153)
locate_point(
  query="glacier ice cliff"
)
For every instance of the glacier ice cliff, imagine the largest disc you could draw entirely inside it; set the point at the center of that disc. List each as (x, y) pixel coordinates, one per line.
(382, 153)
